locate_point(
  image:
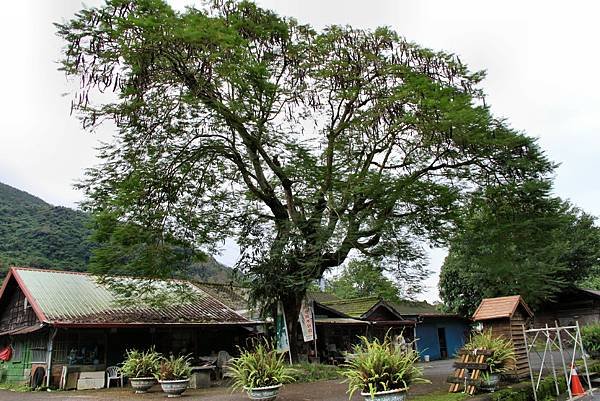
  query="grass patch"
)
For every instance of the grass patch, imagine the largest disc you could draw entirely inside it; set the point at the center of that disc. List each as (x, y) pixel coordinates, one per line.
(439, 396)
(20, 388)
(312, 372)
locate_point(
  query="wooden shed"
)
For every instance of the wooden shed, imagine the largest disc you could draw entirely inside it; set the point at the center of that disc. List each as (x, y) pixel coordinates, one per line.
(505, 316)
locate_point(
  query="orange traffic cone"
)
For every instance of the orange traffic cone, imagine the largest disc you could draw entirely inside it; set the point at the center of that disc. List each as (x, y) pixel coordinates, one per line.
(576, 387)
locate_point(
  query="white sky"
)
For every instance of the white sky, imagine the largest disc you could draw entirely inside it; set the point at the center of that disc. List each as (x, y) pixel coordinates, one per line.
(541, 57)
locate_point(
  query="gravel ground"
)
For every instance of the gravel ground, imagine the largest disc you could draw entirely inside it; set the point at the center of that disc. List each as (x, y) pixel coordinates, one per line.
(332, 390)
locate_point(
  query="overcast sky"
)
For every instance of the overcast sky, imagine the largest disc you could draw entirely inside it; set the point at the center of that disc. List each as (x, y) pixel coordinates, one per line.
(541, 58)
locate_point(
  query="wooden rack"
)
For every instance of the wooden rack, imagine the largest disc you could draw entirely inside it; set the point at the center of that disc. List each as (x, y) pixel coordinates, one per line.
(467, 371)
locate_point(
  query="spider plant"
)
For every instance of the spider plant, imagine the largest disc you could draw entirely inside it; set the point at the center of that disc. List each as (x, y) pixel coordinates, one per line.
(379, 366)
(174, 368)
(259, 367)
(502, 350)
(139, 364)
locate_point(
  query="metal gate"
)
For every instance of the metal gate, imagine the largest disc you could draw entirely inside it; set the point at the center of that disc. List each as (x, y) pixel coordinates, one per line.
(562, 343)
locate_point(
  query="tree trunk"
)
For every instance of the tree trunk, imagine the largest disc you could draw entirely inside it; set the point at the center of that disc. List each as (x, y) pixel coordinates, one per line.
(291, 305)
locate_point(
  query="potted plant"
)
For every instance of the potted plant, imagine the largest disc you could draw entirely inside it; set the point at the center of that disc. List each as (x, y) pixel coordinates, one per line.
(141, 367)
(590, 336)
(381, 371)
(174, 375)
(261, 372)
(502, 353)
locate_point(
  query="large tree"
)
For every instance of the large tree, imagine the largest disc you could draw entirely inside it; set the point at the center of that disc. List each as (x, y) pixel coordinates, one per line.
(232, 121)
(367, 278)
(518, 240)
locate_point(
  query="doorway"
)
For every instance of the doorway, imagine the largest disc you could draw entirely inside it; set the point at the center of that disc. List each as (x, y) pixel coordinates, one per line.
(442, 341)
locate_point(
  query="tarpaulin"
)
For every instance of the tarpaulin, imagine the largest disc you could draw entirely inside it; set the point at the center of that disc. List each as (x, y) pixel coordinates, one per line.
(6, 354)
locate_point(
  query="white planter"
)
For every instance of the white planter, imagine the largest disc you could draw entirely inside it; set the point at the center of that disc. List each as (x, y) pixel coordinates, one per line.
(263, 393)
(391, 395)
(174, 388)
(490, 385)
(142, 384)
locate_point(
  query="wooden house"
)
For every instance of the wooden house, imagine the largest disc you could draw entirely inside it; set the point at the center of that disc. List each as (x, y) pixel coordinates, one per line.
(570, 306)
(506, 316)
(67, 323)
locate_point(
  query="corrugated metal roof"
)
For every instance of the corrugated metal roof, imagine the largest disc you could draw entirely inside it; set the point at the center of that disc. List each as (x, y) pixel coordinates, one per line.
(235, 297)
(320, 296)
(339, 320)
(415, 308)
(356, 307)
(500, 307)
(77, 298)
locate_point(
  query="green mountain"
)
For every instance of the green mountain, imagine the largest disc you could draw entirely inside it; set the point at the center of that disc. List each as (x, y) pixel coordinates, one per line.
(36, 234)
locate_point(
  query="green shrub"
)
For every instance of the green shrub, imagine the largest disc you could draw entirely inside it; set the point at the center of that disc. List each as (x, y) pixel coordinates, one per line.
(379, 366)
(261, 367)
(503, 350)
(141, 364)
(590, 336)
(174, 368)
(311, 372)
(524, 392)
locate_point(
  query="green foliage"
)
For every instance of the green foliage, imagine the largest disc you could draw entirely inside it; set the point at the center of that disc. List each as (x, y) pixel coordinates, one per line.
(311, 372)
(518, 240)
(174, 368)
(590, 336)
(363, 278)
(141, 363)
(261, 366)
(379, 366)
(304, 145)
(524, 392)
(36, 234)
(503, 349)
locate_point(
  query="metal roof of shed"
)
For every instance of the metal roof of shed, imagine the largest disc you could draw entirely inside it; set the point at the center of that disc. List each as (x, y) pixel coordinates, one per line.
(71, 298)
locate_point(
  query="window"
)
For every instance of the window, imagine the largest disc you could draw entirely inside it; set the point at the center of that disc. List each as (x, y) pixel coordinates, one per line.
(17, 351)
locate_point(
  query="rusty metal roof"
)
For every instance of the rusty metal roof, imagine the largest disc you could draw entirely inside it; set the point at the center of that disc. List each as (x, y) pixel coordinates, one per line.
(71, 298)
(500, 307)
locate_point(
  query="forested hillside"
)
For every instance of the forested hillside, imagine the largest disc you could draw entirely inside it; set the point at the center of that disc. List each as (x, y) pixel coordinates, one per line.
(36, 234)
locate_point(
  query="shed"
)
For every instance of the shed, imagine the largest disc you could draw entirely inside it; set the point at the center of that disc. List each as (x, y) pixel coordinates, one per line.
(506, 316)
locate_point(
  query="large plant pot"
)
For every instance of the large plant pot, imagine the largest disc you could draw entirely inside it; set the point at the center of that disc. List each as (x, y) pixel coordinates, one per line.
(491, 384)
(263, 393)
(174, 388)
(391, 395)
(142, 384)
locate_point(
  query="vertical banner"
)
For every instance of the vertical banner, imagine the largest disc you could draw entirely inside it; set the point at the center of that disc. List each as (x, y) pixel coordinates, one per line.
(283, 343)
(307, 321)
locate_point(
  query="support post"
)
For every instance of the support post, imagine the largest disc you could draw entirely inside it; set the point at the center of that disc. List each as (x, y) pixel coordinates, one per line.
(548, 343)
(529, 363)
(587, 372)
(49, 347)
(562, 357)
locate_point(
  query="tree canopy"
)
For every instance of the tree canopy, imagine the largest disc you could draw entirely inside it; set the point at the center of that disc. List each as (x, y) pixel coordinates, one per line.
(365, 278)
(303, 145)
(518, 240)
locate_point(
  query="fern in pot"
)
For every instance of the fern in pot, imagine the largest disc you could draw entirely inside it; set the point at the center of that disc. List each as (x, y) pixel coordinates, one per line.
(381, 371)
(174, 375)
(260, 371)
(141, 367)
(503, 353)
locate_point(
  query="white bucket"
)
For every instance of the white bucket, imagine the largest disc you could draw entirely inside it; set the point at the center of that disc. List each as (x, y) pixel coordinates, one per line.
(426, 358)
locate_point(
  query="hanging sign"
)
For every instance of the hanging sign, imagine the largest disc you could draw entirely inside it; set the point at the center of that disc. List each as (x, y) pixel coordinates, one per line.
(283, 342)
(307, 321)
